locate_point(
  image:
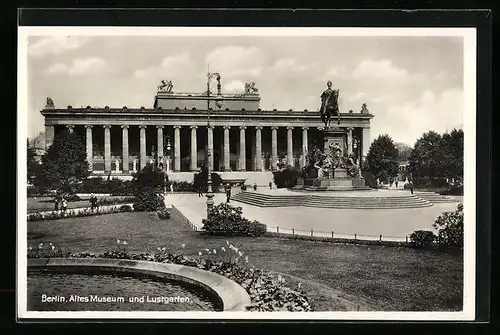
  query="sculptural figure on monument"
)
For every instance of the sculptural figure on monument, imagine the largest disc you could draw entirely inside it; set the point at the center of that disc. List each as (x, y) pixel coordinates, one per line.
(335, 152)
(364, 109)
(324, 167)
(250, 88)
(166, 86)
(49, 103)
(329, 105)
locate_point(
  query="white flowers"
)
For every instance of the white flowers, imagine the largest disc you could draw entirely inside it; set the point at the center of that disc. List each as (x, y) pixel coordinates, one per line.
(223, 249)
(227, 243)
(246, 259)
(30, 248)
(159, 249)
(117, 241)
(121, 242)
(214, 251)
(124, 243)
(53, 247)
(183, 246)
(199, 253)
(163, 249)
(299, 285)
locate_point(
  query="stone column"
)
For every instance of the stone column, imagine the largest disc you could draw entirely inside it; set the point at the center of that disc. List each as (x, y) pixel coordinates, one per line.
(142, 146)
(125, 158)
(177, 148)
(210, 147)
(366, 141)
(274, 148)
(194, 149)
(258, 148)
(160, 142)
(349, 141)
(227, 151)
(107, 148)
(243, 161)
(90, 154)
(49, 136)
(289, 146)
(70, 128)
(305, 144)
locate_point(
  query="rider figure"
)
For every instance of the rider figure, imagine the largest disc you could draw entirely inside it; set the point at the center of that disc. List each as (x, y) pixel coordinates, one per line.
(326, 104)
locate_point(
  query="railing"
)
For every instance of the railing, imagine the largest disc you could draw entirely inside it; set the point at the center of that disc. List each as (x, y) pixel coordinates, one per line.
(337, 235)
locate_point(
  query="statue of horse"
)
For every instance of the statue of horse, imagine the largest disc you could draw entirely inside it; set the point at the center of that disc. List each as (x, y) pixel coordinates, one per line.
(329, 105)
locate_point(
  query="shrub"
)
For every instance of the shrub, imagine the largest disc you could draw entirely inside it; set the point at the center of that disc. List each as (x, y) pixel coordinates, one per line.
(181, 186)
(287, 177)
(422, 238)
(200, 180)
(228, 220)
(148, 185)
(450, 226)
(115, 201)
(163, 214)
(126, 208)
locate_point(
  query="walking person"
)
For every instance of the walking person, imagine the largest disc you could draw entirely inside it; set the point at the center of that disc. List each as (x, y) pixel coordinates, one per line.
(396, 183)
(171, 188)
(410, 184)
(93, 202)
(270, 185)
(228, 193)
(56, 203)
(255, 187)
(64, 204)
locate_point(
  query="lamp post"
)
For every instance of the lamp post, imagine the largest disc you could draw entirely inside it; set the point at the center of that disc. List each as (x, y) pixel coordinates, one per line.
(168, 147)
(210, 193)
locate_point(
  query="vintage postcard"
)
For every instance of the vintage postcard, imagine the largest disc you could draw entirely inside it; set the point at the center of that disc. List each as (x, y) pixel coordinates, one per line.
(246, 173)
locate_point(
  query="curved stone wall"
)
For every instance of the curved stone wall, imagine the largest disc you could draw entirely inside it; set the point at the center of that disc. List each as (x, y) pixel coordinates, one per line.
(229, 295)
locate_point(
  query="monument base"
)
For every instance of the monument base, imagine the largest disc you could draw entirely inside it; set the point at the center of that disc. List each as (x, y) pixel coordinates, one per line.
(340, 182)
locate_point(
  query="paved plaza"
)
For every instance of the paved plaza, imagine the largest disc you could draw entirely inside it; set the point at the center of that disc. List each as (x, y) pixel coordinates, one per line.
(369, 223)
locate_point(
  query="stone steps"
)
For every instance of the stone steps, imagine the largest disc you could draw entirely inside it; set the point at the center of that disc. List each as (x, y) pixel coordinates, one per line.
(267, 200)
(434, 197)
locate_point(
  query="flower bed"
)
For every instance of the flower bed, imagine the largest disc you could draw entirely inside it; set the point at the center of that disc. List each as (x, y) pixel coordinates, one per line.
(74, 213)
(267, 290)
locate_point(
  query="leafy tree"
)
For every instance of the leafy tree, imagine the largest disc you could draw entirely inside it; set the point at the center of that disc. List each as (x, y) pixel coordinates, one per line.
(200, 180)
(452, 148)
(64, 166)
(404, 151)
(148, 184)
(382, 158)
(33, 165)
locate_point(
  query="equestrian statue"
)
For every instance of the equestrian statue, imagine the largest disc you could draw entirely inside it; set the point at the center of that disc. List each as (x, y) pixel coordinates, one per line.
(329, 105)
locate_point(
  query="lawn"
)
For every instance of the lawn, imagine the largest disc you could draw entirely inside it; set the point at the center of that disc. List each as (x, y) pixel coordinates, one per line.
(40, 204)
(336, 277)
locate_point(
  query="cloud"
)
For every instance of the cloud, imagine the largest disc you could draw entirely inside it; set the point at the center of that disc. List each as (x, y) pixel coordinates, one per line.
(379, 70)
(234, 86)
(55, 45)
(236, 61)
(356, 97)
(337, 71)
(290, 65)
(79, 66)
(408, 121)
(170, 66)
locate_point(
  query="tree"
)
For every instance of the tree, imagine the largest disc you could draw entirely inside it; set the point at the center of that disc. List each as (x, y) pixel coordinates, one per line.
(404, 151)
(64, 166)
(382, 158)
(452, 148)
(33, 165)
(426, 162)
(148, 184)
(200, 180)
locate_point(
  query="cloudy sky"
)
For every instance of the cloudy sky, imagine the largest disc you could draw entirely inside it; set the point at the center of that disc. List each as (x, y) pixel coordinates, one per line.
(410, 84)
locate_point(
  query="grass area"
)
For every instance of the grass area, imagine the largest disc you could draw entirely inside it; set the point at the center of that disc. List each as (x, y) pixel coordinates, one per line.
(336, 277)
(41, 204)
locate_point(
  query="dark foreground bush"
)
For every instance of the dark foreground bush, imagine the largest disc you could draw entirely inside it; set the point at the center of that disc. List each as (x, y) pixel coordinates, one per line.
(287, 177)
(450, 226)
(422, 239)
(163, 214)
(229, 221)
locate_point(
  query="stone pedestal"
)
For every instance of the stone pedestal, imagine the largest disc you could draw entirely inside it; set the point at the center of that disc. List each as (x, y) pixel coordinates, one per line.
(335, 135)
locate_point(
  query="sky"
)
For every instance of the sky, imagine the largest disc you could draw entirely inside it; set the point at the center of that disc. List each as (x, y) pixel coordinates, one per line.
(411, 84)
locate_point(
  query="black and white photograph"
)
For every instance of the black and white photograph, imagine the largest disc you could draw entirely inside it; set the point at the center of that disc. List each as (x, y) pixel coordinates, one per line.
(246, 173)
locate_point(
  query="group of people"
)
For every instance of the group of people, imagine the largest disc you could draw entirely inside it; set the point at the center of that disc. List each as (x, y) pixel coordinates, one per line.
(60, 203)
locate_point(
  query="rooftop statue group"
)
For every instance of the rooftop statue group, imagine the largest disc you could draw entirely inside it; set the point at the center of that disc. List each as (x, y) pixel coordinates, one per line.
(166, 86)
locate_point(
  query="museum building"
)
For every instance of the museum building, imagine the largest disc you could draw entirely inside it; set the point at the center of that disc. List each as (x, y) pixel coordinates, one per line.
(182, 128)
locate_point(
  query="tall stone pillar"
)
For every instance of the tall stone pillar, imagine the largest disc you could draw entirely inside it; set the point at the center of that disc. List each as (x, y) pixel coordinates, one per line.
(49, 136)
(366, 141)
(210, 147)
(305, 144)
(90, 154)
(125, 158)
(258, 148)
(177, 148)
(194, 149)
(160, 142)
(243, 161)
(289, 146)
(274, 148)
(227, 151)
(70, 128)
(142, 146)
(107, 148)
(349, 141)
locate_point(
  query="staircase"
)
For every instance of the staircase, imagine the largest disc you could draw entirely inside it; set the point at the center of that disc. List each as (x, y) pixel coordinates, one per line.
(433, 197)
(271, 200)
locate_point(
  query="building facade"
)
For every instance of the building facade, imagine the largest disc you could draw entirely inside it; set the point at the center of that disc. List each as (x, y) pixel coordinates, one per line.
(240, 136)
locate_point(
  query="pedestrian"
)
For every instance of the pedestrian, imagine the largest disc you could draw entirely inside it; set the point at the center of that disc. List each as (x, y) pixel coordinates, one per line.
(93, 201)
(228, 193)
(171, 188)
(200, 191)
(56, 203)
(64, 204)
(255, 187)
(270, 185)
(396, 183)
(410, 184)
